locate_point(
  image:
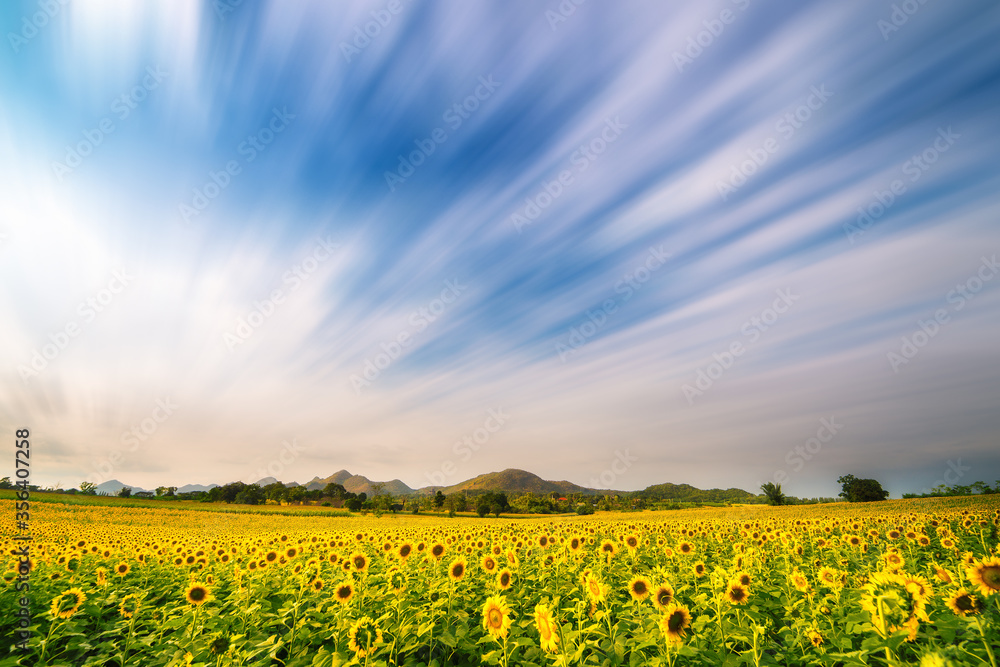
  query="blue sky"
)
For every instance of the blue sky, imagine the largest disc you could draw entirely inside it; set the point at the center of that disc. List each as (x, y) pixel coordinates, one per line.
(719, 243)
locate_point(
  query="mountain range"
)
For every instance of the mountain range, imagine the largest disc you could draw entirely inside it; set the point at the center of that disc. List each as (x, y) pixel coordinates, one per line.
(113, 486)
(510, 480)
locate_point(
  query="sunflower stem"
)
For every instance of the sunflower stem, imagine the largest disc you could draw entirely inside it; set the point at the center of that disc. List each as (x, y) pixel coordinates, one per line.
(45, 644)
(989, 650)
(722, 628)
(194, 621)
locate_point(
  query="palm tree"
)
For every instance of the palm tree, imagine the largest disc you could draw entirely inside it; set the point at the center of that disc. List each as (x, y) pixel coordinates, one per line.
(773, 493)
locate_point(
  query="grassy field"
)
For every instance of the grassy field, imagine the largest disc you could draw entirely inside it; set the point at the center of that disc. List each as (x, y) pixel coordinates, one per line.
(139, 582)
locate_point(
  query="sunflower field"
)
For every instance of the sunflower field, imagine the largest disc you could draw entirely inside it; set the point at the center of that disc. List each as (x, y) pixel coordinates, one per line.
(890, 583)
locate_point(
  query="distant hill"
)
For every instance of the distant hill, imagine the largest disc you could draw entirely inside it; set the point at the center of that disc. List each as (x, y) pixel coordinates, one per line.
(271, 480)
(191, 488)
(688, 493)
(511, 480)
(113, 486)
(358, 484)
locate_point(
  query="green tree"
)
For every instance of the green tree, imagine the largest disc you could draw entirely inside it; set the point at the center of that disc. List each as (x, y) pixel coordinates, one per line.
(125, 492)
(335, 491)
(856, 490)
(86, 488)
(354, 504)
(251, 494)
(773, 493)
(296, 494)
(438, 499)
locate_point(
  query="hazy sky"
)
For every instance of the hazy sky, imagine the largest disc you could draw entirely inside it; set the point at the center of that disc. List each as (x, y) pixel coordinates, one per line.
(615, 244)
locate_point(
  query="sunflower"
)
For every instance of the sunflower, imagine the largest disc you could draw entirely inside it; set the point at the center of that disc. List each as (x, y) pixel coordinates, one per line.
(437, 551)
(489, 564)
(456, 571)
(504, 579)
(893, 561)
(197, 594)
(737, 593)
(359, 561)
(892, 604)
(941, 573)
(686, 548)
(964, 603)
(632, 542)
(830, 577)
(608, 548)
(594, 587)
(639, 588)
(985, 574)
(743, 577)
(67, 603)
(917, 586)
(365, 636)
(663, 596)
(102, 576)
(800, 581)
(674, 622)
(546, 627)
(815, 638)
(270, 556)
(317, 584)
(343, 593)
(129, 605)
(397, 580)
(404, 550)
(122, 569)
(699, 569)
(496, 616)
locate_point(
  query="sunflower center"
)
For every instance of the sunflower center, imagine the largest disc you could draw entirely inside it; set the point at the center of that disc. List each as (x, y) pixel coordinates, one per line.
(496, 618)
(991, 576)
